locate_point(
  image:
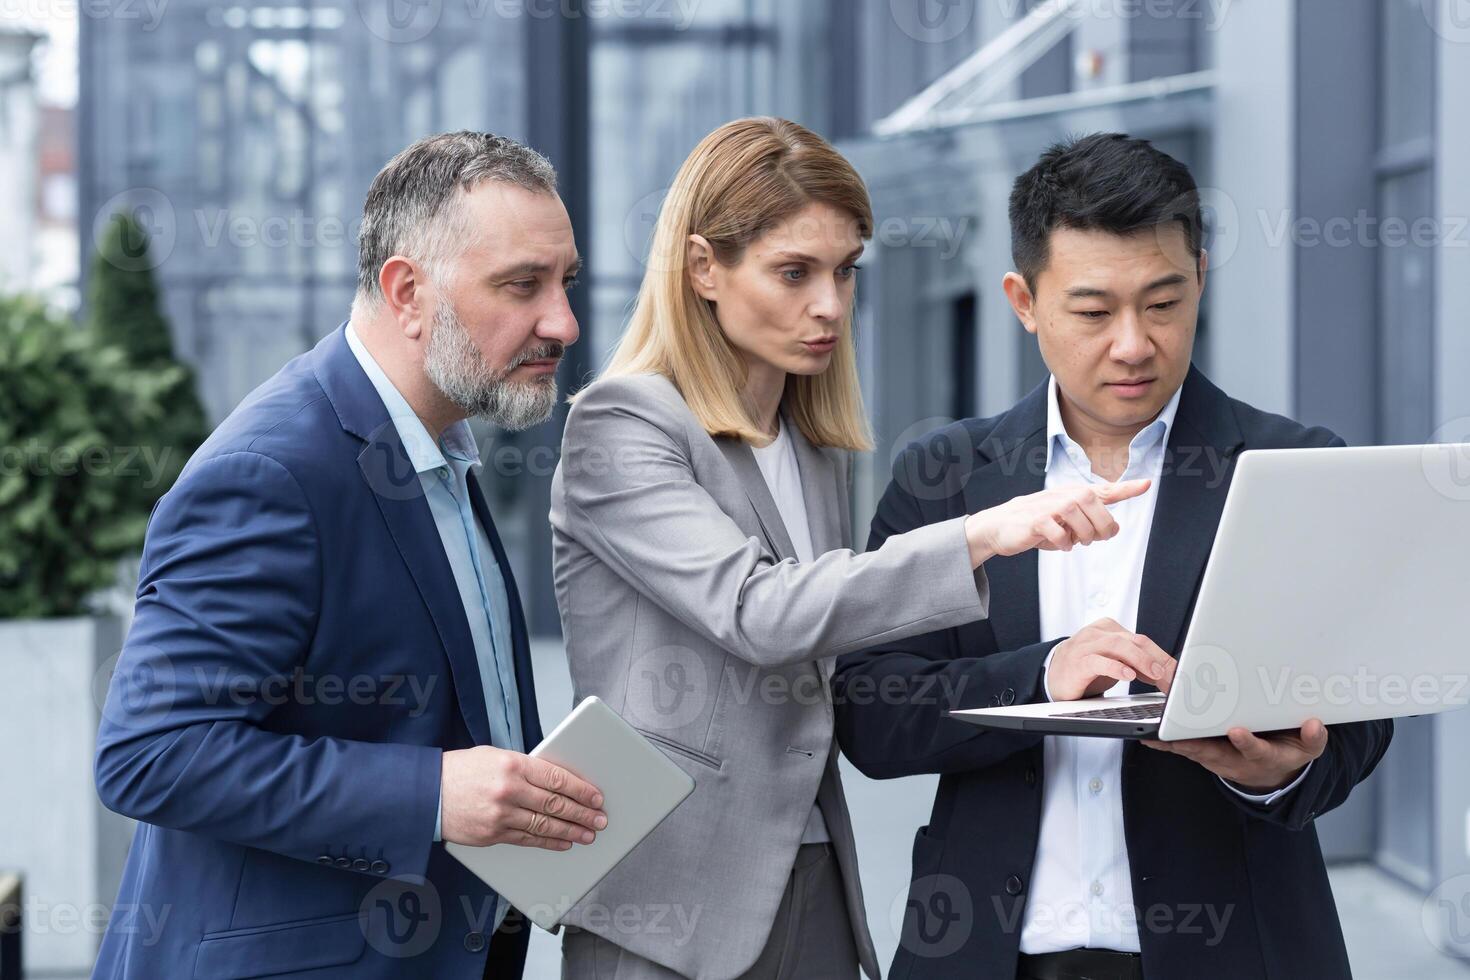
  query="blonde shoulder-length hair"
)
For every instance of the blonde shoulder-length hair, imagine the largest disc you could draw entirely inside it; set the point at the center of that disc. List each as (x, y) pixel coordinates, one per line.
(740, 181)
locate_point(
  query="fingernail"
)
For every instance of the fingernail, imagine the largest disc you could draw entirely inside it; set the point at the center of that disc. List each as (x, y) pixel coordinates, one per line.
(586, 837)
(1156, 670)
(600, 822)
(597, 799)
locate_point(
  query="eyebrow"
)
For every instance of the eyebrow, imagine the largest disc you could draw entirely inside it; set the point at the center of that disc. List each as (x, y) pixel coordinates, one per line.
(813, 260)
(1092, 292)
(529, 269)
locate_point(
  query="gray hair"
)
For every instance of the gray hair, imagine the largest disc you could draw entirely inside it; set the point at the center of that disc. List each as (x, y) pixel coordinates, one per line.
(408, 210)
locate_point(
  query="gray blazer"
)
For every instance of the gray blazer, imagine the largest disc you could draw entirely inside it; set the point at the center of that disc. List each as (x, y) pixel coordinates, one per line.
(684, 608)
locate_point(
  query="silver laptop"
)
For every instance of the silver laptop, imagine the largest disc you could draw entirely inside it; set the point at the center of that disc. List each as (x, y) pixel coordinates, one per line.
(1337, 589)
(640, 787)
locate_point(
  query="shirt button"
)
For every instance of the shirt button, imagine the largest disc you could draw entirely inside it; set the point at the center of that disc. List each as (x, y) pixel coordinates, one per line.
(1095, 785)
(379, 867)
(1013, 885)
(1100, 599)
(360, 864)
(1096, 888)
(474, 942)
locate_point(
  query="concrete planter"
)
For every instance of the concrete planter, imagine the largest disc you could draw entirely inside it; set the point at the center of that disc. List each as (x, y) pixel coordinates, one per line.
(53, 829)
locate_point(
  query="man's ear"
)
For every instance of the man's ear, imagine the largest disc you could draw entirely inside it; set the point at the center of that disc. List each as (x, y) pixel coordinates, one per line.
(700, 260)
(405, 295)
(1021, 299)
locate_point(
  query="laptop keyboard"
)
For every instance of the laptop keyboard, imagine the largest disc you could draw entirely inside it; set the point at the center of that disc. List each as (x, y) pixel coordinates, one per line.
(1131, 712)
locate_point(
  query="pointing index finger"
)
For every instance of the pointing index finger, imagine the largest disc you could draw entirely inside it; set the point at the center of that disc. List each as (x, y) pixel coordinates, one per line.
(1113, 493)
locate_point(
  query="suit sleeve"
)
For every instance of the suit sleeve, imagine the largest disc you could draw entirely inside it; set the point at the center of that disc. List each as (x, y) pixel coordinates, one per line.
(630, 497)
(226, 609)
(1352, 753)
(891, 698)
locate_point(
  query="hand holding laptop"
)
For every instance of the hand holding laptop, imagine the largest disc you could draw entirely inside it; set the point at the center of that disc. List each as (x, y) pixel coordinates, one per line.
(1255, 763)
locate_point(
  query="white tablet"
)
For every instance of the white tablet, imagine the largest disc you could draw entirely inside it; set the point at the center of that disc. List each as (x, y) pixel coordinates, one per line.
(640, 787)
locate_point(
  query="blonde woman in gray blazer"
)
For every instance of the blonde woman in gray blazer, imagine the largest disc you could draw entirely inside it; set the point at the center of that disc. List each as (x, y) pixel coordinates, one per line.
(705, 574)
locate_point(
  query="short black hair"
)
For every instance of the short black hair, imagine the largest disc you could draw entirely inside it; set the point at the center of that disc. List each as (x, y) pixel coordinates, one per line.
(1103, 182)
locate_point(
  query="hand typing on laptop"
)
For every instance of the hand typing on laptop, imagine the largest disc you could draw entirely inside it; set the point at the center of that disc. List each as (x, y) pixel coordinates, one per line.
(1100, 655)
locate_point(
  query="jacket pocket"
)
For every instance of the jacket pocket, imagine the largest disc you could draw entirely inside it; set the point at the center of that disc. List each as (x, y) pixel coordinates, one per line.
(290, 947)
(665, 742)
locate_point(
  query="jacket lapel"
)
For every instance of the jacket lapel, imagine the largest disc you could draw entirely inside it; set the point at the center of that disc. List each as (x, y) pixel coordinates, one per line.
(1198, 465)
(823, 496)
(395, 487)
(821, 492)
(753, 482)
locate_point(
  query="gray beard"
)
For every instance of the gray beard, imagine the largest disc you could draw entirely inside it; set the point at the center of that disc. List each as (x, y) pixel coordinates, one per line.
(457, 368)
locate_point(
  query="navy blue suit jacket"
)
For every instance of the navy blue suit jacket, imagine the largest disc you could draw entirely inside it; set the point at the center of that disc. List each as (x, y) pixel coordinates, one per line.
(1224, 888)
(298, 662)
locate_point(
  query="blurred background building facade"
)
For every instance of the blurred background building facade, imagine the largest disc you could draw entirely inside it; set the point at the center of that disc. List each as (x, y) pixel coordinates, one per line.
(1330, 136)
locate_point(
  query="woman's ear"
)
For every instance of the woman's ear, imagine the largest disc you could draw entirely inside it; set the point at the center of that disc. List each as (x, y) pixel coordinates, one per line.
(700, 261)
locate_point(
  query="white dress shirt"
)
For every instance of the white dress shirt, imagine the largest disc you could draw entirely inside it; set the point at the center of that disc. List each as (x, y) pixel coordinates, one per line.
(783, 478)
(1081, 891)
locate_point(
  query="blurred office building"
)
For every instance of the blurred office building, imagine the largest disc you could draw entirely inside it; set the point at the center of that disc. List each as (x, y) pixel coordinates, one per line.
(1330, 137)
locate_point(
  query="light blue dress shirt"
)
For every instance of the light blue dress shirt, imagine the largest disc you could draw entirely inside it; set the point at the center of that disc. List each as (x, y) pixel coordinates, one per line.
(444, 470)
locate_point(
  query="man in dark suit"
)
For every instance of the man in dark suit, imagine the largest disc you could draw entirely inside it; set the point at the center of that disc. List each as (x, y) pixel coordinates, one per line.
(328, 670)
(1051, 857)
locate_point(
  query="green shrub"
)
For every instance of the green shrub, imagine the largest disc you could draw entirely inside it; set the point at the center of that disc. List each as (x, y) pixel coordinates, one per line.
(95, 424)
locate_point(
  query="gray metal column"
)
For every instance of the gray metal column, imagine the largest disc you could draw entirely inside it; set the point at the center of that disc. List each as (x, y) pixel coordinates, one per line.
(557, 117)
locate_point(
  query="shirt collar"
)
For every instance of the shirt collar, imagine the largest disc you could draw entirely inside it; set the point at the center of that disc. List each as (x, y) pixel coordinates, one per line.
(1156, 433)
(458, 441)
